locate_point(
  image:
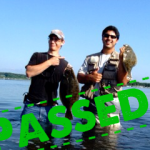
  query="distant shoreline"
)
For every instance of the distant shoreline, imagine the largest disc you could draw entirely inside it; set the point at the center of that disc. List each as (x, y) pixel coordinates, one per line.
(139, 84)
(12, 76)
(15, 76)
(136, 86)
(15, 79)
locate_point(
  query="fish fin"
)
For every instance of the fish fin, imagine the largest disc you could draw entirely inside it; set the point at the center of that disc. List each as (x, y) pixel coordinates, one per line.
(69, 114)
(125, 67)
(129, 74)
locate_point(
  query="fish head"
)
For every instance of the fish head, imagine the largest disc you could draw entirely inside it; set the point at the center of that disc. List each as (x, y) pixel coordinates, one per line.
(129, 59)
(129, 55)
(69, 73)
(128, 49)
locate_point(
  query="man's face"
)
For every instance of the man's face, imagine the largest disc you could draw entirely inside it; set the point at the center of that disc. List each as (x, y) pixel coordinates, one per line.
(109, 39)
(55, 43)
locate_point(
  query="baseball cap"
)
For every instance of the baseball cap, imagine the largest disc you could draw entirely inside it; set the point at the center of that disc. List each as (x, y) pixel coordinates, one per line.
(58, 33)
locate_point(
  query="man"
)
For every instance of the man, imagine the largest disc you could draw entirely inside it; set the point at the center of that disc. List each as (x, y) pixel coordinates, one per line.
(104, 69)
(45, 70)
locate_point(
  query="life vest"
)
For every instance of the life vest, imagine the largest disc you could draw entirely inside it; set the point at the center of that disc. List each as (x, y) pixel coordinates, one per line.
(109, 76)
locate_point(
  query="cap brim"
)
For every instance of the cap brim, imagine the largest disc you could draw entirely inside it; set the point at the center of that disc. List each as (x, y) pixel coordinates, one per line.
(56, 35)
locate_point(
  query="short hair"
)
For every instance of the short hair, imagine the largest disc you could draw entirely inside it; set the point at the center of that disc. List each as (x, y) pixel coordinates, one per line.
(113, 28)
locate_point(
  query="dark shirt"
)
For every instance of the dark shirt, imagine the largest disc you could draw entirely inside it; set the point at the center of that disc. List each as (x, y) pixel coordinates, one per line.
(44, 86)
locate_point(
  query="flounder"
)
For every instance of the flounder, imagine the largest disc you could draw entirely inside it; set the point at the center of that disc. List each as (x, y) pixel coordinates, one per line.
(129, 59)
(69, 89)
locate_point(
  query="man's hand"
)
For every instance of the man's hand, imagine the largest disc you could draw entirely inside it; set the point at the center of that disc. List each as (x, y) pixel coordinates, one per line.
(54, 61)
(89, 78)
(122, 49)
(95, 76)
(33, 70)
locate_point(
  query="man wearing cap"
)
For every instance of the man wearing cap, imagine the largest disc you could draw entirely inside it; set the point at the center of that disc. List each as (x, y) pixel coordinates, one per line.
(45, 70)
(104, 69)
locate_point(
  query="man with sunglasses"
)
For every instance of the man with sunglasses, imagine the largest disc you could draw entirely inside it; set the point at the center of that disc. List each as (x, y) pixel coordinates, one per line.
(45, 70)
(104, 69)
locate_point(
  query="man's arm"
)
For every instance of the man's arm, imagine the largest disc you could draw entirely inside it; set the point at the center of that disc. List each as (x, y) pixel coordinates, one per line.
(122, 74)
(89, 78)
(33, 70)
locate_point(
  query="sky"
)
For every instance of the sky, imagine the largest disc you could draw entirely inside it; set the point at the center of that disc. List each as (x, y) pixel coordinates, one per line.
(25, 26)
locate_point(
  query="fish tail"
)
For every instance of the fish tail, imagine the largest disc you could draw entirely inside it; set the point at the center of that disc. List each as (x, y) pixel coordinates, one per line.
(69, 114)
(129, 73)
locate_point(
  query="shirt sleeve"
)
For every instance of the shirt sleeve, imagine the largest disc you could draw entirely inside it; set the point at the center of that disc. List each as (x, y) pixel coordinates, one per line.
(33, 60)
(84, 67)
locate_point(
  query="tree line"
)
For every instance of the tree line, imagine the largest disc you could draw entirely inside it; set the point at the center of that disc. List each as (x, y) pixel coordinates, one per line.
(139, 84)
(6, 75)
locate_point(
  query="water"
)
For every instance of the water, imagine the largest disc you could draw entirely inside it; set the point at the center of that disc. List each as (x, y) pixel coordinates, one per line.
(11, 96)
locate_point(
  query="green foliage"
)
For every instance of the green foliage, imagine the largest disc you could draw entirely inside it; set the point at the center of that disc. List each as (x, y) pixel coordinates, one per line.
(6, 75)
(139, 84)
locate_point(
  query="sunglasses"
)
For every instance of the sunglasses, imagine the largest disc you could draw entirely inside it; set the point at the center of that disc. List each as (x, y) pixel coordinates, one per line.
(107, 36)
(54, 38)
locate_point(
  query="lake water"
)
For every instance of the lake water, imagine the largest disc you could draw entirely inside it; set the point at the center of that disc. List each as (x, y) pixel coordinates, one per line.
(11, 96)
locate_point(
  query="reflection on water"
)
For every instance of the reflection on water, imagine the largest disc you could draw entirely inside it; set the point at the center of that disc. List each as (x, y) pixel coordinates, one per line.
(138, 138)
(103, 142)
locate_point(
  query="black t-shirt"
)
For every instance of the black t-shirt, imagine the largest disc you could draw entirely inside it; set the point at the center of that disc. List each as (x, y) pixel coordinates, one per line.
(44, 86)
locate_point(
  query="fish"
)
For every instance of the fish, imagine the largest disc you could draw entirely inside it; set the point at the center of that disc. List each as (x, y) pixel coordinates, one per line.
(69, 87)
(129, 59)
